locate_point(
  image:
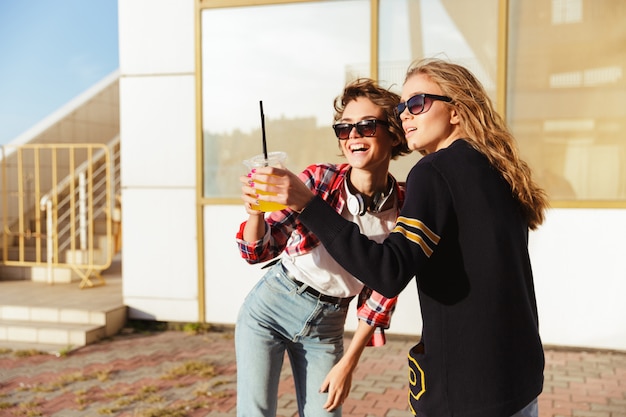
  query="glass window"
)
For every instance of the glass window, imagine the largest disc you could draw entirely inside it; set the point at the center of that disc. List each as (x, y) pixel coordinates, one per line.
(567, 95)
(295, 58)
(461, 31)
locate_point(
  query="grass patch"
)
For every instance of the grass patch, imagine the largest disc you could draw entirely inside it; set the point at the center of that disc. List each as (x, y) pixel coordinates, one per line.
(28, 353)
(146, 326)
(180, 410)
(107, 411)
(68, 379)
(197, 328)
(5, 405)
(65, 351)
(29, 409)
(198, 368)
(146, 394)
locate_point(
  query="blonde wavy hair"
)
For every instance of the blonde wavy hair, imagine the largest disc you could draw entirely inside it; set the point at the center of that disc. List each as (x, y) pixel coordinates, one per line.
(486, 131)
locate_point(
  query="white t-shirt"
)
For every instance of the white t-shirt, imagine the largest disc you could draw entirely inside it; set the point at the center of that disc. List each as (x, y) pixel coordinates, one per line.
(320, 271)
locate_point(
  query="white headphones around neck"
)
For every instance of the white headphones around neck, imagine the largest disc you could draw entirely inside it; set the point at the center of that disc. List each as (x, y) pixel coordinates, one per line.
(356, 202)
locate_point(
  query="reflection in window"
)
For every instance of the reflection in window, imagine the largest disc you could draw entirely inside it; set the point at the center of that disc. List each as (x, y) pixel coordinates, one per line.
(567, 95)
(296, 58)
(567, 11)
(587, 78)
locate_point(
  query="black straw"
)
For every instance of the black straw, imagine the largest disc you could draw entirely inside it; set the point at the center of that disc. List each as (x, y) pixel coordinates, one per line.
(263, 130)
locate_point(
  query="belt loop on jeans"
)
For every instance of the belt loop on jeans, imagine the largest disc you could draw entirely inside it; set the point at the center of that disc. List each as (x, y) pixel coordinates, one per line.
(302, 287)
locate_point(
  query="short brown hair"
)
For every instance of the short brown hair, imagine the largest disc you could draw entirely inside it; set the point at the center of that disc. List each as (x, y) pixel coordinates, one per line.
(385, 99)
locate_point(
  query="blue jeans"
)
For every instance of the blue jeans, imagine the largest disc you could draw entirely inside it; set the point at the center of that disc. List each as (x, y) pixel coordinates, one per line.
(278, 317)
(531, 410)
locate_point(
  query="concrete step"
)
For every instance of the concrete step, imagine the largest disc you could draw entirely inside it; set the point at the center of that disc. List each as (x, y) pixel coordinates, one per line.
(68, 335)
(61, 317)
(51, 329)
(36, 348)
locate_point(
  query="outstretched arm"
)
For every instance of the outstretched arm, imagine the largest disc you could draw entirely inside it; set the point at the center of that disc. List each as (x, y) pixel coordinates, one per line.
(386, 267)
(359, 255)
(339, 380)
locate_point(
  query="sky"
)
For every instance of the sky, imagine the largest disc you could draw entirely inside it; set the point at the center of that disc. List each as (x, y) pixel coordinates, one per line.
(51, 51)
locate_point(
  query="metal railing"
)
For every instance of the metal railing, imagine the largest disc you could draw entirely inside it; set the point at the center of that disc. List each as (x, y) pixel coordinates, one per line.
(59, 206)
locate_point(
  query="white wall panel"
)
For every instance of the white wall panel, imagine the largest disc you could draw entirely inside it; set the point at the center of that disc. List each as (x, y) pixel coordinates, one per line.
(157, 126)
(159, 244)
(228, 278)
(580, 277)
(150, 308)
(156, 36)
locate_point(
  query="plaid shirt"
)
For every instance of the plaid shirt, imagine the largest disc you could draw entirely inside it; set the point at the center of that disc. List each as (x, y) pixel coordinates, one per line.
(286, 233)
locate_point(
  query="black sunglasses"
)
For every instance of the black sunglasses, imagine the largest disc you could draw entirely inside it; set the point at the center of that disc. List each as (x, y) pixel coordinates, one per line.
(364, 128)
(420, 103)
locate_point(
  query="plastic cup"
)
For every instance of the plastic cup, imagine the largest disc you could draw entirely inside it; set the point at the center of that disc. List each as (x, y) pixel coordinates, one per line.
(274, 159)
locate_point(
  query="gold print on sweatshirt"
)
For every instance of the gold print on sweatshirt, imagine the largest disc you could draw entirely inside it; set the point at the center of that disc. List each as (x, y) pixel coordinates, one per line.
(417, 384)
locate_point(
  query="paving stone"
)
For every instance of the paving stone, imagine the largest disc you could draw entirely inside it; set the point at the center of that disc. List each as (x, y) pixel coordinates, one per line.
(156, 373)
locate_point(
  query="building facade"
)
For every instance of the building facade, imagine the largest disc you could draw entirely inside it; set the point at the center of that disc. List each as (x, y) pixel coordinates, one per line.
(192, 74)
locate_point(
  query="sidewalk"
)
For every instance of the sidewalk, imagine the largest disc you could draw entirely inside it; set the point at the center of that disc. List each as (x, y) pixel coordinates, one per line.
(175, 374)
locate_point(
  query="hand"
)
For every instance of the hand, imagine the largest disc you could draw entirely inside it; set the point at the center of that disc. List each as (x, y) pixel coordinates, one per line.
(248, 195)
(337, 383)
(287, 187)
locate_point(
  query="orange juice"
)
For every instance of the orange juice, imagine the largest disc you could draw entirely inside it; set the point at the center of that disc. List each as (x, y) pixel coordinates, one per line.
(273, 159)
(266, 205)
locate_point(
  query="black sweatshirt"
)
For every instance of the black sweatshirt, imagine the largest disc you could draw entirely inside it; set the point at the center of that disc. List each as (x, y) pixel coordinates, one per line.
(462, 234)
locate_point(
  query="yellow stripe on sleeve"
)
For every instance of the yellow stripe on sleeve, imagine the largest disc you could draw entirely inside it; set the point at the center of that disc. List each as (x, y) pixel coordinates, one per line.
(415, 238)
(414, 223)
